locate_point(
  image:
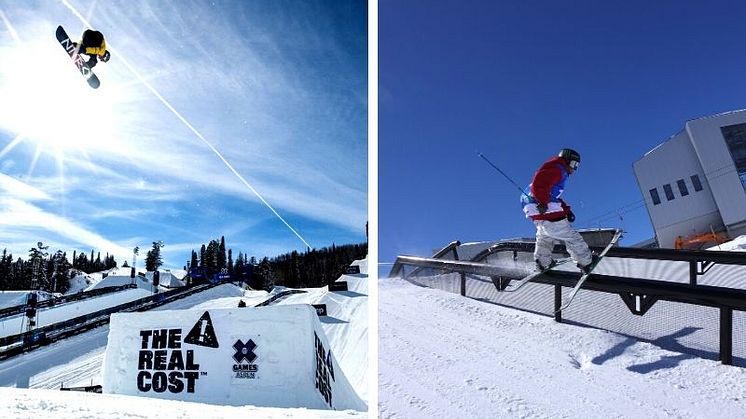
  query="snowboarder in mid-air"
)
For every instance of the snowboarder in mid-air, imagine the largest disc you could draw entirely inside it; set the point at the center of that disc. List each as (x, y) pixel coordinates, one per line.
(93, 45)
(552, 216)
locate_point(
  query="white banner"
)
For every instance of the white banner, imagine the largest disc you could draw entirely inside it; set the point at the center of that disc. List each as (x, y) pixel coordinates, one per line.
(268, 356)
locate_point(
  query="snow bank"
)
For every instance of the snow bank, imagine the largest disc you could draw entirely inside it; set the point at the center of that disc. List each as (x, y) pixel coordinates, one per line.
(79, 282)
(736, 245)
(165, 279)
(346, 323)
(119, 280)
(445, 356)
(16, 298)
(273, 356)
(55, 404)
(50, 315)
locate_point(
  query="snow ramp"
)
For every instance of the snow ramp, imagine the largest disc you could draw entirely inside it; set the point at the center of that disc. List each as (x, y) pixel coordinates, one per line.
(276, 356)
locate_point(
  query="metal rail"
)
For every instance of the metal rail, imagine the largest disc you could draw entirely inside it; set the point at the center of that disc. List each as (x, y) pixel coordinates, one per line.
(638, 294)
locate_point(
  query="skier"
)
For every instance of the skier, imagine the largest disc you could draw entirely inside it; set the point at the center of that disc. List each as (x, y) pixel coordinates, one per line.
(93, 45)
(552, 216)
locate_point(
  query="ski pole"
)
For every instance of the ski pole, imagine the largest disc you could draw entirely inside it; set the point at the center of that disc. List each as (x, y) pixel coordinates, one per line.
(501, 172)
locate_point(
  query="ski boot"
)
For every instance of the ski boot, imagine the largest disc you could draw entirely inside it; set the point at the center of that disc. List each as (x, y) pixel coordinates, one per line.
(541, 268)
(589, 267)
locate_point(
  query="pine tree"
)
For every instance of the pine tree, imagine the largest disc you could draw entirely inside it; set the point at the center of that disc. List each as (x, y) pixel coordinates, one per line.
(60, 277)
(5, 270)
(153, 259)
(194, 263)
(238, 268)
(38, 267)
(203, 257)
(221, 255)
(267, 277)
(211, 264)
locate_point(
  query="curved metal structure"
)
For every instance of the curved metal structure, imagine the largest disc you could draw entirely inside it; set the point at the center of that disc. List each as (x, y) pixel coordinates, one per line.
(669, 275)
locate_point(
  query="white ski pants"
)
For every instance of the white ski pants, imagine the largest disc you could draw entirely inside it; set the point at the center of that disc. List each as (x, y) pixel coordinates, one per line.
(547, 232)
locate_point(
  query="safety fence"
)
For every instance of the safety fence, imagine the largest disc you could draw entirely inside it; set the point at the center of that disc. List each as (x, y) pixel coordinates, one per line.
(52, 302)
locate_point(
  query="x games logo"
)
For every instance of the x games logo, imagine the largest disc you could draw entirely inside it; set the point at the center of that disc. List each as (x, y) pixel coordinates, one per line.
(245, 353)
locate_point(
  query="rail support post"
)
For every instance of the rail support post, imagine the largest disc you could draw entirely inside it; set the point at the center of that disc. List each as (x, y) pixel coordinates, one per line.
(557, 303)
(726, 335)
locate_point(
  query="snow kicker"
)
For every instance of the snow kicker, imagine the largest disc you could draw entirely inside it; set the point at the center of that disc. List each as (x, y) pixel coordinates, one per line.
(276, 356)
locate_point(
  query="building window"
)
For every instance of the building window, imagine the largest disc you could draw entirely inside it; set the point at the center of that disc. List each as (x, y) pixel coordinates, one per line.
(697, 184)
(669, 192)
(654, 195)
(735, 139)
(682, 187)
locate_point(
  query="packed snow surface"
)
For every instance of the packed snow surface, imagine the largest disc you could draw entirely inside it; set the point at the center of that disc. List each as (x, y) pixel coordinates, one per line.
(16, 298)
(445, 356)
(76, 361)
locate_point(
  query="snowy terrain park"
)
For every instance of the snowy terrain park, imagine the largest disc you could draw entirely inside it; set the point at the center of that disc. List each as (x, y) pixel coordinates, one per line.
(442, 355)
(202, 356)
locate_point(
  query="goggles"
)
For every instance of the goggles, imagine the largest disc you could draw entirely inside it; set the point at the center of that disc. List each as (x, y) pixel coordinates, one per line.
(574, 164)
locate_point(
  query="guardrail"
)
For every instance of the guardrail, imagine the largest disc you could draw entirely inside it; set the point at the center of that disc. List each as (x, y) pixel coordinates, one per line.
(42, 336)
(638, 294)
(52, 302)
(277, 296)
(700, 261)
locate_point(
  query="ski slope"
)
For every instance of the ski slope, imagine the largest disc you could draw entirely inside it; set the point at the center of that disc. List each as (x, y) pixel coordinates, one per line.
(346, 325)
(29, 383)
(442, 356)
(50, 315)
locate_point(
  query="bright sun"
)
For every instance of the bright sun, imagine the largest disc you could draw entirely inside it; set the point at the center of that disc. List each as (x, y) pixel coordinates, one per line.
(46, 101)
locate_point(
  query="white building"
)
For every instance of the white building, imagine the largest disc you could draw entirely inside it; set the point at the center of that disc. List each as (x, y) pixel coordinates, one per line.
(695, 182)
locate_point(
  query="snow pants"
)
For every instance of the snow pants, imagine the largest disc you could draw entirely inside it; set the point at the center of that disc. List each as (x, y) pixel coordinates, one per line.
(547, 232)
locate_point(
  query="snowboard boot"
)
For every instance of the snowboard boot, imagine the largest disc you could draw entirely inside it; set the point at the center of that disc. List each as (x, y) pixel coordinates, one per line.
(541, 268)
(92, 62)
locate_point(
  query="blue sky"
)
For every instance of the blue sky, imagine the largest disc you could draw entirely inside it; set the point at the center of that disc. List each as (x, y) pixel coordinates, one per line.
(518, 81)
(204, 107)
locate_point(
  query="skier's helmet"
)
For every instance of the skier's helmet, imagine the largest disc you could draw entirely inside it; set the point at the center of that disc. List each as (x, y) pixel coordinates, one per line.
(571, 156)
(93, 38)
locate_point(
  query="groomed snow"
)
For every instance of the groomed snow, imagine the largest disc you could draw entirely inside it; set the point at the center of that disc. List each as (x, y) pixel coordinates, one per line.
(76, 361)
(54, 404)
(49, 315)
(445, 356)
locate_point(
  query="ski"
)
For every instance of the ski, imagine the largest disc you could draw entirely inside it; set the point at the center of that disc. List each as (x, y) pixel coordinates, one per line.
(515, 286)
(69, 47)
(585, 276)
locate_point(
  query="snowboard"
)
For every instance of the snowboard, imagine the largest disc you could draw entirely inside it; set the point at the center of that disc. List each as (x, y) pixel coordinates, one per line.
(69, 47)
(585, 276)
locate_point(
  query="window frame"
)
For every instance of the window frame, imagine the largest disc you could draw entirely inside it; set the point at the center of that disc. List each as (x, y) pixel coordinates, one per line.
(682, 187)
(655, 196)
(668, 190)
(696, 182)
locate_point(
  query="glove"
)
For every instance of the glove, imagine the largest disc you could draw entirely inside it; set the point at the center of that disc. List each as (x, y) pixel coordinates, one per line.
(542, 208)
(106, 56)
(570, 216)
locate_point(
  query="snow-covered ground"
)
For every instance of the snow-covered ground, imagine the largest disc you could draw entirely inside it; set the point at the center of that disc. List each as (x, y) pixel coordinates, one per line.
(54, 404)
(346, 326)
(442, 355)
(16, 298)
(77, 361)
(50, 315)
(79, 282)
(120, 280)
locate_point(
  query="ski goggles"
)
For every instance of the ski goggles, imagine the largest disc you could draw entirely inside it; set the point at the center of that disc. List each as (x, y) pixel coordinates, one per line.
(574, 164)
